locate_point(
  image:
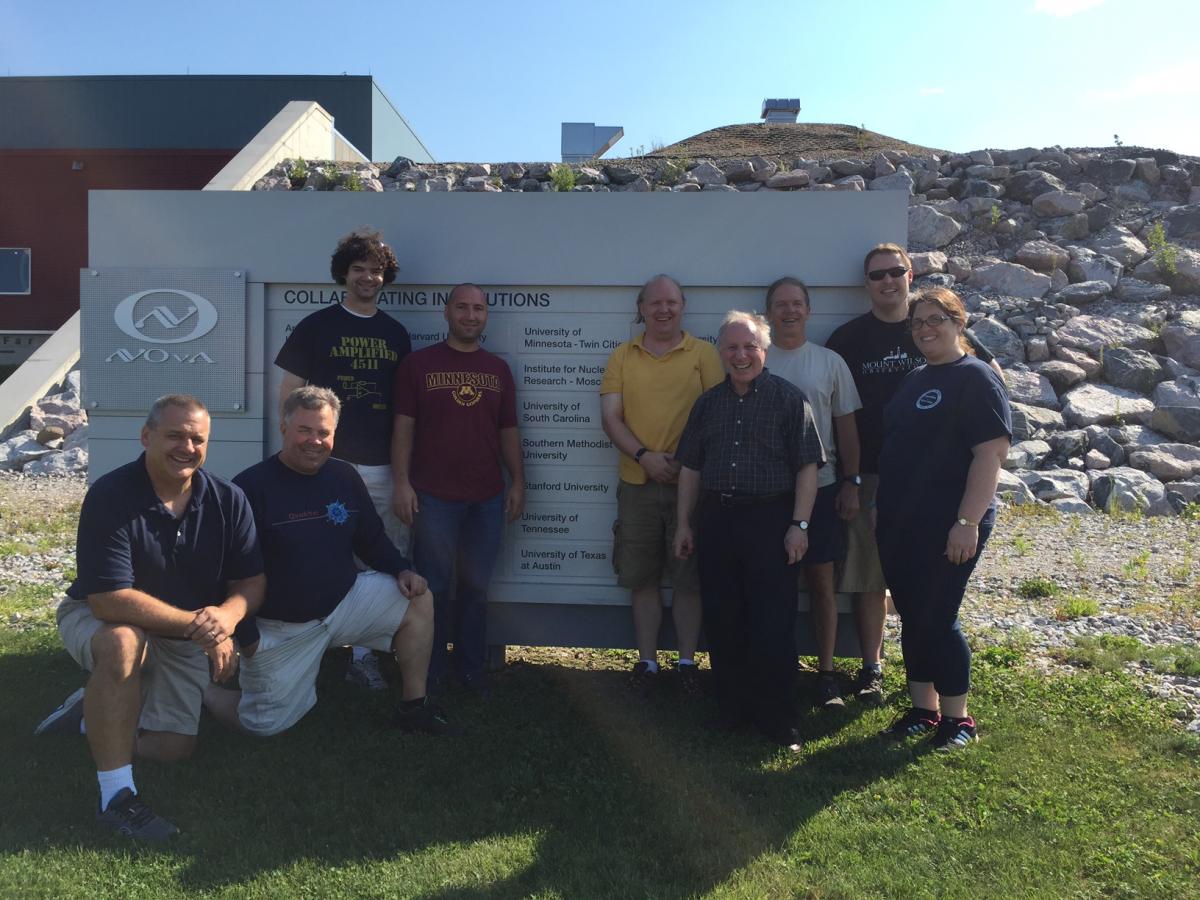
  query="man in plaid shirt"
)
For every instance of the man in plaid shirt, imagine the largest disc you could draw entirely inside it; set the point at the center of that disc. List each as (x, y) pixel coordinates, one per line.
(749, 457)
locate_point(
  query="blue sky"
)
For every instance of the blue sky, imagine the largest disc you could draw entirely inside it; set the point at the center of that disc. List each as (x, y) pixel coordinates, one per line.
(493, 81)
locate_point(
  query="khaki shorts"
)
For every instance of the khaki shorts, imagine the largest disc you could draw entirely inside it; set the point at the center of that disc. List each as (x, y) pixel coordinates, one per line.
(174, 674)
(644, 538)
(279, 682)
(862, 572)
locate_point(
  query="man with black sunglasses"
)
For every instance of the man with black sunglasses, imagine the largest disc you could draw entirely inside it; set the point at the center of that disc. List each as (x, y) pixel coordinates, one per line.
(879, 350)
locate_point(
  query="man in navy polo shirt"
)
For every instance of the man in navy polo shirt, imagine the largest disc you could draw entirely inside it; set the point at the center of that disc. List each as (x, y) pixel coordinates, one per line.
(168, 564)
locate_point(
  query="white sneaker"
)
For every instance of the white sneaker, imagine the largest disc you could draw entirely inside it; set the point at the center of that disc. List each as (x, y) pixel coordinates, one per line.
(365, 673)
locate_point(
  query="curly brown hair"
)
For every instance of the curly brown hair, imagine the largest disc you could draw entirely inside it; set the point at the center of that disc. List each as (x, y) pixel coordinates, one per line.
(361, 244)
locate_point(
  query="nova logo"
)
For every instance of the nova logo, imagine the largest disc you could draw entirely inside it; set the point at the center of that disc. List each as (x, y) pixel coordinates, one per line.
(157, 355)
(178, 310)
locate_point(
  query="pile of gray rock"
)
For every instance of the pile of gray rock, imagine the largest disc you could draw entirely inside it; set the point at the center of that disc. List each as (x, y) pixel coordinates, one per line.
(1080, 269)
(55, 441)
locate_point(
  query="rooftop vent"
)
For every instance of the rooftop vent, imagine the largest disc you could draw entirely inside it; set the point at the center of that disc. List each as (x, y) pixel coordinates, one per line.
(582, 141)
(780, 110)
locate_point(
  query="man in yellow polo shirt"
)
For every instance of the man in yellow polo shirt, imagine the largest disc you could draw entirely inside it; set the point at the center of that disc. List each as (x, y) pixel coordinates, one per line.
(648, 389)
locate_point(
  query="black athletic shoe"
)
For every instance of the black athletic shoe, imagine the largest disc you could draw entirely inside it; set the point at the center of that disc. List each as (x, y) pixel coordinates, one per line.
(641, 679)
(829, 695)
(427, 718)
(869, 687)
(783, 734)
(689, 680)
(914, 723)
(128, 815)
(954, 734)
(65, 719)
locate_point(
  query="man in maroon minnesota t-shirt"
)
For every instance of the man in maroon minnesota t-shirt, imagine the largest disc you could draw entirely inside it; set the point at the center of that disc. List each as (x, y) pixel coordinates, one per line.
(455, 425)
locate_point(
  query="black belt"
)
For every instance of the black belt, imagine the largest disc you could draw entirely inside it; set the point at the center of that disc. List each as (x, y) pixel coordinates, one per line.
(728, 501)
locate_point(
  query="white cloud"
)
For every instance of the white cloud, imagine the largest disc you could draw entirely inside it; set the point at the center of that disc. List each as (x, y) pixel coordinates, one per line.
(931, 91)
(1169, 81)
(1063, 8)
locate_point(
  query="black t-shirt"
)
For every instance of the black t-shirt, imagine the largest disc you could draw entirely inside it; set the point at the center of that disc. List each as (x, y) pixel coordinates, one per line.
(879, 355)
(937, 416)
(356, 357)
(311, 528)
(128, 539)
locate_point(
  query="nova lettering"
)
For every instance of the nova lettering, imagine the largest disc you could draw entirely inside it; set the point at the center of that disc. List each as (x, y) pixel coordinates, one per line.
(158, 355)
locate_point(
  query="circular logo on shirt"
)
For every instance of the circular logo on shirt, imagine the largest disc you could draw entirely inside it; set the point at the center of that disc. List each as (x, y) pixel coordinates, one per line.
(929, 399)
(467, 395)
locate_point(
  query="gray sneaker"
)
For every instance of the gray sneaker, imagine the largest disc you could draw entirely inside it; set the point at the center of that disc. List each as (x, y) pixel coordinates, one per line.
(829, 695)
(365, 673)
(869, 687)
(65, 719)
(128, 815)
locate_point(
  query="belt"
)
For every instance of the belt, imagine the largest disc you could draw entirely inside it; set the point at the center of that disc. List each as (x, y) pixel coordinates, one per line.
(728, 501)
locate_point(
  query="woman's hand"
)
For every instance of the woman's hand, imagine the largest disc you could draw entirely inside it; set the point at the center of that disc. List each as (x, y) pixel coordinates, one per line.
(961, 543)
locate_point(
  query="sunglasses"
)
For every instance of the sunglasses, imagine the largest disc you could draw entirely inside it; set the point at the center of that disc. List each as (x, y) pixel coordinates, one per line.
(880, 274)
(933, 321)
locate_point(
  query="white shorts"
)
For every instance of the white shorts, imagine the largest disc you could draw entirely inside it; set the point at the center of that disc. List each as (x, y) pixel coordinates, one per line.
(380, 486)
(279, 682)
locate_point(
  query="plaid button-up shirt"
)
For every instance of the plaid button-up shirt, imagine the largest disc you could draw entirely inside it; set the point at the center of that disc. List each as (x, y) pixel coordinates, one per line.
(754, 444)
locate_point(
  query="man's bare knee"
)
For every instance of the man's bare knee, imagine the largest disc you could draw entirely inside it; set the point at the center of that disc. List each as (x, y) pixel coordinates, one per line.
(118, 650)
(420, 610)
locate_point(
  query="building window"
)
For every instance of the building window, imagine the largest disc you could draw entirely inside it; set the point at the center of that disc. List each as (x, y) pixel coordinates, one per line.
(15, 270)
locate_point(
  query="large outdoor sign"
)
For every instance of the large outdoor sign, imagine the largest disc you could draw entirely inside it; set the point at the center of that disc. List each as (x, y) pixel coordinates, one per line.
(561, 274)
(185, 334)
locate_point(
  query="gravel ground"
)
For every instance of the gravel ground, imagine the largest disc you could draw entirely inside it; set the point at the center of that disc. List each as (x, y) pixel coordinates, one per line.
(1142, 573)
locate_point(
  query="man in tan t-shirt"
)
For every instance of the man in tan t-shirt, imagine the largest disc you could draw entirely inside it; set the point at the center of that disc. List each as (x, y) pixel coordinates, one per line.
(648, 389)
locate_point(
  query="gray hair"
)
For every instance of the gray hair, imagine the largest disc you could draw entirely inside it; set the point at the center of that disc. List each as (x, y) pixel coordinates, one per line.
(757, 324)
(183, 401)
(310, 396)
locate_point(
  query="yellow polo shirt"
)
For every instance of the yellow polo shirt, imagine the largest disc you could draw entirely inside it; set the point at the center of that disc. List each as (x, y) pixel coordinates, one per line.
(657, 392)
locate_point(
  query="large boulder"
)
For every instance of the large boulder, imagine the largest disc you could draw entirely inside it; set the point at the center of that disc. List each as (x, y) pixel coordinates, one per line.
(1181, 338)
(1061, 374)
(1043, 256)
(20, 449)
(1088, 265)
(1098, 403)
(927, 263)
(66, 462)
(1083, 293)
(1029, 421)
(1026, 185)
(1121, 244)
(897, 181)
(1011, 488)
(1001, 340)
(1130, 490)
(1186, 277)
(1134, 370)
(1055, 484)
(1009, 280)
(1030, 388)
(1096, 333)
(1177, 409)
(1058, 203)
(1134, 290)
(929, 229)
(1076, 357)
(1183, 223)
(1026, 454)
(1168, 462)
(57, 410)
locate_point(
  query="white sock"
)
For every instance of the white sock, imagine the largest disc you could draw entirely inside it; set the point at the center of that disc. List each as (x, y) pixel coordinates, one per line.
(651, 665)
(83, 726)
(112, 782)
(686, 662)
(359, 653)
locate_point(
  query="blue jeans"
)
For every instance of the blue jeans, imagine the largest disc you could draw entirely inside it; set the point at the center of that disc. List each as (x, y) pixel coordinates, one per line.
(455, 548)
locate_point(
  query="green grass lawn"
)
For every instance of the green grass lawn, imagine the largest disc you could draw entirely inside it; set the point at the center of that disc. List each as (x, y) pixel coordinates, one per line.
(564, 786)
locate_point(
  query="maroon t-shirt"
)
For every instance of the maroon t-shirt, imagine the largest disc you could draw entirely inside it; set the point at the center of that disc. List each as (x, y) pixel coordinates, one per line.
(460, 401)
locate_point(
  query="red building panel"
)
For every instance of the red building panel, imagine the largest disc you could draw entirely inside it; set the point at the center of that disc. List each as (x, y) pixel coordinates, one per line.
(43, 206)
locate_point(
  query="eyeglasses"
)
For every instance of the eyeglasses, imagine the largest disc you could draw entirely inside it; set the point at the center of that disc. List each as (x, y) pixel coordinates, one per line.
(880, 274)
(933, 321)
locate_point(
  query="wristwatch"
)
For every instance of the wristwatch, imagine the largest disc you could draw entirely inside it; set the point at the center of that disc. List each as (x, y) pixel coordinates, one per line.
(637, 457)
(967, 522)
(853, 479)
(802, 524)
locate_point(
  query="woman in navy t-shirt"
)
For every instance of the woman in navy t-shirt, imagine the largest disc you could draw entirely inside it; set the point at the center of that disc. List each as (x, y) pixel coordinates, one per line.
(946, 434)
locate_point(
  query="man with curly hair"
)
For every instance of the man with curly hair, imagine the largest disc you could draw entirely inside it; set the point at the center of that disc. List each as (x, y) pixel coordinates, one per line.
(354, 348)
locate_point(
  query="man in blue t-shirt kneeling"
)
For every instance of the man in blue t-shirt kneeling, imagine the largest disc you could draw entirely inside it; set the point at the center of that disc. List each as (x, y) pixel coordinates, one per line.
(314, 516)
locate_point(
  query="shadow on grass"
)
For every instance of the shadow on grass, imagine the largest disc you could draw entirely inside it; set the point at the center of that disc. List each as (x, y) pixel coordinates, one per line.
(563, 783)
